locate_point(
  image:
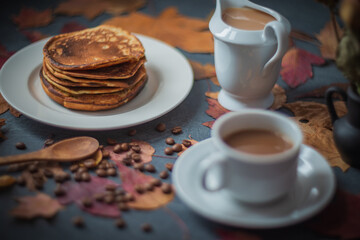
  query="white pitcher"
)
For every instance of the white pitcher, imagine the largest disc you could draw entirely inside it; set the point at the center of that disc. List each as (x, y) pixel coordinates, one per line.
(248, 62)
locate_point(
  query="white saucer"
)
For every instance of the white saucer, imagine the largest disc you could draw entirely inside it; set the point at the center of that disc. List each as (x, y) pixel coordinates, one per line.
(313, 190)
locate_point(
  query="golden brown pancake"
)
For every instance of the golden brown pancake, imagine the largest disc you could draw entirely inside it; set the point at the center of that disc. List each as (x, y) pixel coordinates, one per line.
(93, 48)
(88, 102)
(118, 71)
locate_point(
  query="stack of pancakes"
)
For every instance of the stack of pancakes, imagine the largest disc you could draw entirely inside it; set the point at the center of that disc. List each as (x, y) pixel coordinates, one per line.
(94, 69)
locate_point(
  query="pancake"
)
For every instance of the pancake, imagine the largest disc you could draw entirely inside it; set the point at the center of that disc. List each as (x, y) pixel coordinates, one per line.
(118, 71)
(93, 48)
(92, 102)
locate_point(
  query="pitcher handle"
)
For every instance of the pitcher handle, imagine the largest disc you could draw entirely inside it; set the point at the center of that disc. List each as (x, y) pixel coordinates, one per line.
(330, 102)
(281, 36)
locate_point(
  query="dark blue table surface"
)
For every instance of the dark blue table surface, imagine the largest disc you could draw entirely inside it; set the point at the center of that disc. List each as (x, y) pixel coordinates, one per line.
(305, 15)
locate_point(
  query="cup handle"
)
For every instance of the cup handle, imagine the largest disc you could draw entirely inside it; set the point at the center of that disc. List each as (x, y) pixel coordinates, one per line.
(330, 102)
(278, 29)
(214, 160)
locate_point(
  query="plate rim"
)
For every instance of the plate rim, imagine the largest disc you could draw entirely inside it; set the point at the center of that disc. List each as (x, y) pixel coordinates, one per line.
(62, 125)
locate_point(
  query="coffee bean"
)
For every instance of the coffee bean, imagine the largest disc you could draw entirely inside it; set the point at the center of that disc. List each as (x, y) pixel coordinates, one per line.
(59, 190)
(150, 168)
(139, 166)
(136, 157)
(13, 168)
(37, 175)
(101, 172)
(124, 147)
(111, 141)
(117, 148)
(99, 197)
(120, 223)
(89, 163)
(164, 174)
(74, 167)
(169, 166)
(123, 207)
(148, 187)
(127, 161)
(109, 198)
(87, 202)
(39, 183)
(78, 221)
(132, 132)
(156, 182)
(21, 181)
(166, 188)
(120, 198)
(168, 151)
(82, 169)
(105, 153)
(176, 130)
(85, 176)
(161, 127)
(146, 227)
(136, 148)
(20, 145)
(59, 177)
(139, 188)
(48, 173)
(186, 143)
(49, 142)
(111, 172)
(169, 141)
(33, 168)
(77, 177)
(177, 147)
(129, 197)
(110, 187)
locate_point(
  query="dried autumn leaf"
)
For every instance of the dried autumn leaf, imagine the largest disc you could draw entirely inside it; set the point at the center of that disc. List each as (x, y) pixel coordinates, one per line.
(34, 36)
(320, 92)
(146, 201)
(340, 218)
(213, 95)
(72, 27)
(193, 142)
(171, 27)
(215, 110)
(279, 97)
(146, 153)
(327, 38)
(6, 181)
(226, 234)
(202, 71)
(303, 36)
(29, 17)
(4, 55)
(40, 205)
(297, 66)
(215, 81)
(4, 106)
(77, 191)
(208, 124)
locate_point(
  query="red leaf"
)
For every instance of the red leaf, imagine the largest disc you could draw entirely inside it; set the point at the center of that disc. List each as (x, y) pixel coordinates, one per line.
(72, 27)
(215, 110)
(34, 36)
(76, 192)
(341, 218)
(146, 152)
(296, 66)
(29, 17)
(208, 124)
(4, 55)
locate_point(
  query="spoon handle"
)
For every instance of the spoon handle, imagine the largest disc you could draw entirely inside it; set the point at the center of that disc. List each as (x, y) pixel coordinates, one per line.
(38, 155)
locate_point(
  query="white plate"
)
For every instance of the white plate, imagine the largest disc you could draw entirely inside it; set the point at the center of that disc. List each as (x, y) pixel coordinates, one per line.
(313, 190)
(170, 81)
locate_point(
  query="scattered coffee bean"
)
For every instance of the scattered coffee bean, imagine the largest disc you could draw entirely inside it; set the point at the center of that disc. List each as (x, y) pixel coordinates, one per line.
(177, 147)
(117, 148)
(13, 168)
(120, 223)
(21, 181)
(82, 169)
(85, 176)
(169, 141)
(48, 173)
(129, 197)
(120, 198)
(156, 182)
(146, 227)
(78, 221)
(168, 151)
(111, 172)
(136, 157)
(59, 190)
(77, 177)
(164, 174)
(49, 142)
(127, 161)
(105, 153)
(37, 175)
(101, 172)
(136, 148)
(87, 202)
(169, 166)
(124, 147)
(109, 198)
(33, 168)
(150, 168)
(20, 145)
(110, 187)
(161, 127)
(139, 188)
(148, 187)
(39, 183)
(119, 192)
(59, 177)
(132, 132)
(66, 175)
(89, 163)
(74, 167)
(111, 141)
(176, 130)
(123, 207)
(139, 166)
(99, 197)
(186, 143)
(166, 188)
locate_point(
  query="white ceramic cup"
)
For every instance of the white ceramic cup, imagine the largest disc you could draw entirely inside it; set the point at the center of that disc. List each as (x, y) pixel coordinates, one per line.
(247, 62)
(252, 178)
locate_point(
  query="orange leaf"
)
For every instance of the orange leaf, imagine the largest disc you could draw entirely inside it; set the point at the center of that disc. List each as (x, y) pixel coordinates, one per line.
(328, 40)
(202, 71)
(6, 181)
(296, 66)
(145, 201)
(208, 124)
(40, 205)
(213, 95)
(29, 18)
(279, 97)
(215, 81)
(215, 110)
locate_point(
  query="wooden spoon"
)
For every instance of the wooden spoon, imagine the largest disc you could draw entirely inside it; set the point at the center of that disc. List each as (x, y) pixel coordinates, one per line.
(67, 150)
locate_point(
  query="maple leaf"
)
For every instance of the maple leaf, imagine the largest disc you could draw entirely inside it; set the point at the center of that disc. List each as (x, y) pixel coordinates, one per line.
(40, 205)
(4, 55)
(215, 81)
(208, 124)
(4, 106)
(146, 153)
(76, 192)
(296, 66)
(29, 17)
(279, 97)
(215, 110)
(320, 92)
(72, 27)
(338, 219)
(145, 201)
(189, 34)
(327, 38)
(6, 181)
(193, 142)
(202, 71)
(34, 36)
